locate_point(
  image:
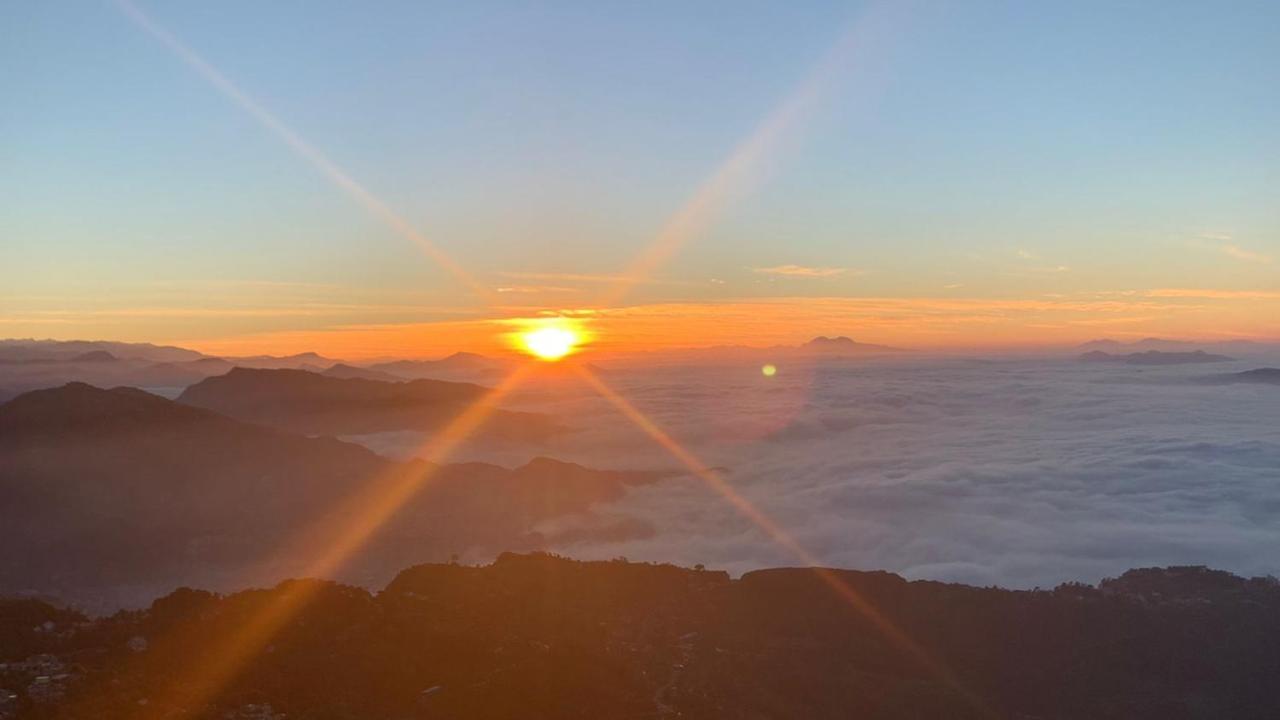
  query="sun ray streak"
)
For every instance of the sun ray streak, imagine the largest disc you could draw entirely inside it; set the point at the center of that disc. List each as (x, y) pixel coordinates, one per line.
(359, 518)
(744, 165)
(308, 152)
(780, 536)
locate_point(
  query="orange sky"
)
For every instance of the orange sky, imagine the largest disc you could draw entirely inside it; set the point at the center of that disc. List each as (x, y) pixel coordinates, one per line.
(918, 323)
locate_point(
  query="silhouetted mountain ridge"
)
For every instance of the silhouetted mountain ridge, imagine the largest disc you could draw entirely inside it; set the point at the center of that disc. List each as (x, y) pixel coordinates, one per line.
(1155, 357)
(546, 637)
(313, 403)
(108, 493)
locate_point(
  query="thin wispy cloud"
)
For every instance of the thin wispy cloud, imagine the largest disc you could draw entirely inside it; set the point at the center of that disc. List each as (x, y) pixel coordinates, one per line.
(592, 278)
(1211, 294)
(1225, 244)
(534, 289)
(800, 271)
(1240, 253)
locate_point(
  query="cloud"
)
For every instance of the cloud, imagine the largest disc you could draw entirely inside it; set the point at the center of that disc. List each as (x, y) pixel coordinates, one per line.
(533, 289)
(1240, 253)
(800, 271)
(1210, 294)
(1017, 472)
(1216, 236)
(1223, 243)
(589, 278)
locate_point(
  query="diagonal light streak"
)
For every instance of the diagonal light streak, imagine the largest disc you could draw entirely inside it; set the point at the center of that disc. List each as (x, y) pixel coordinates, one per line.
(780, 536)
(308, 152)
(359, 518)
(744, 165)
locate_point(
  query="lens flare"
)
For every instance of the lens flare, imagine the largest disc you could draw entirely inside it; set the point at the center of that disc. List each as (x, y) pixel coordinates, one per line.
(548, 338)
(550, 343)
(783, 539)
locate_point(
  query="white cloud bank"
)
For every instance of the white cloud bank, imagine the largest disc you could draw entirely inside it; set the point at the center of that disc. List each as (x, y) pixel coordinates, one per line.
(1017, 473)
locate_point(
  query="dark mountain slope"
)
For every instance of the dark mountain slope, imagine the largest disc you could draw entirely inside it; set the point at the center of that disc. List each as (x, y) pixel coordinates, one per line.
(111, 488)
(314, 404)
(537, 636)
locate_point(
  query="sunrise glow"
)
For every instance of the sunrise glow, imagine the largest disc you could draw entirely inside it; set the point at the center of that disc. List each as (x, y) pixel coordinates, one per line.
(551, 341)
(427, 340)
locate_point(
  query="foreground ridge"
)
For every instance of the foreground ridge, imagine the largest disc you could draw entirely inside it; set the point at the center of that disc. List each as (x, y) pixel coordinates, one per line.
(543, 636)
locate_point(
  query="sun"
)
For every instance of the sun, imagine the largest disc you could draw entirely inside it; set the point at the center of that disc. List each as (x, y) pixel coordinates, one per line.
(550, 343)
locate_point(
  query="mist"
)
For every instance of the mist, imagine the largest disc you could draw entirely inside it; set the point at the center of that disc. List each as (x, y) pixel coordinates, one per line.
(1018, 472)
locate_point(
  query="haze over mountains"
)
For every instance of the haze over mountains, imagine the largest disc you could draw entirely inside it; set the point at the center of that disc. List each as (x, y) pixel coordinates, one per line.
(319, 404)
(1155, 357)
(33, 364)
(1224, 347)
(107, 495)
(856, 456)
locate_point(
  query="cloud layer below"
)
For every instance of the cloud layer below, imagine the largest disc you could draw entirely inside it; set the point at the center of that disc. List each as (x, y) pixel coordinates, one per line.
(1014, 472)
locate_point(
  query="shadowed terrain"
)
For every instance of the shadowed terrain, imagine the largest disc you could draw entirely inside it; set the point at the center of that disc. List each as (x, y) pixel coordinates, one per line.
(537, 636)
(316, 404)
(109, 494)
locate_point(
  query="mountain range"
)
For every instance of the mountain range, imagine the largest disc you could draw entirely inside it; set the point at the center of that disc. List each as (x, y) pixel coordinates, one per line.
(1155, 357)
(537, 636)
(1224, 347)
(318, 404)
(34, 364)
(106, 494)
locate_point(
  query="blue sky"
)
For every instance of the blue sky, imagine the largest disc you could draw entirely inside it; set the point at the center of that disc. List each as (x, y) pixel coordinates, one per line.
(994, 149)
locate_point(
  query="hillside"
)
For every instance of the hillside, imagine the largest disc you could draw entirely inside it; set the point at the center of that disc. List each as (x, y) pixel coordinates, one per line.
(316, 404)
(107, 494)
(535, 636)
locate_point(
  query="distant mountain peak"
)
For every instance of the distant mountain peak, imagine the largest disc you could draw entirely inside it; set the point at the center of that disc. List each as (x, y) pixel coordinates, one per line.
(824, 341)
(842, 344)
(80, 405)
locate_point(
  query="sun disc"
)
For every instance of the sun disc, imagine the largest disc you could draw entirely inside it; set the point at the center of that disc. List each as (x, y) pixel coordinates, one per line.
(550, 343)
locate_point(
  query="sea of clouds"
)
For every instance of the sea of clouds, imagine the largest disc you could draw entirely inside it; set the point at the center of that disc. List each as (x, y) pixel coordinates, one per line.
(1016, 472)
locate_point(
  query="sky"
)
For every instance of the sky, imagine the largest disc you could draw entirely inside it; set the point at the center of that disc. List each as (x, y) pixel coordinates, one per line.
(243, 177)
